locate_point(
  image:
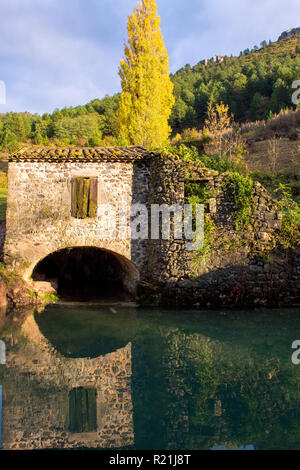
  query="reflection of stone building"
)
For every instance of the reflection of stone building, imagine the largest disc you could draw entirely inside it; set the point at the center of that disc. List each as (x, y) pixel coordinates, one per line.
(42, 388)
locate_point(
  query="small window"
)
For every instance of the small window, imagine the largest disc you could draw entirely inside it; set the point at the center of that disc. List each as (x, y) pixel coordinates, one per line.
(84, 197)
(83, 410)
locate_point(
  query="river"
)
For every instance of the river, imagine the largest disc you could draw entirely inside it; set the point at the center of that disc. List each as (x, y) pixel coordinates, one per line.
(82, 377)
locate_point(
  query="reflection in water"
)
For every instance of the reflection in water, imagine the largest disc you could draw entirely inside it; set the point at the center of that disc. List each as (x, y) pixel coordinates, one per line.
(39, 395)
(127, 378)
(83, 410)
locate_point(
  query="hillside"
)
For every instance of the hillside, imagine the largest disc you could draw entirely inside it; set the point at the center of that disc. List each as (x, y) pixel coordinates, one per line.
(279, 48)
(255, 85)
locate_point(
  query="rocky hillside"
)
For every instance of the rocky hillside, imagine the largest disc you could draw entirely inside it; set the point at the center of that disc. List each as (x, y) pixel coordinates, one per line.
(289, 33)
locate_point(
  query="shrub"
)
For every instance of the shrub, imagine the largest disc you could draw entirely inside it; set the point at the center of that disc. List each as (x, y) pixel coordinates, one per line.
(50, 298)
(3, 179)
(241, 188)
(220, 163)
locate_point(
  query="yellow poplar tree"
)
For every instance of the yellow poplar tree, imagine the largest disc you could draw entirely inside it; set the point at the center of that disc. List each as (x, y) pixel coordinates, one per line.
(147, 91)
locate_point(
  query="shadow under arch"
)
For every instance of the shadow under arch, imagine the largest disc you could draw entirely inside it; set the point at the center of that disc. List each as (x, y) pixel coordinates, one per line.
(88, 273)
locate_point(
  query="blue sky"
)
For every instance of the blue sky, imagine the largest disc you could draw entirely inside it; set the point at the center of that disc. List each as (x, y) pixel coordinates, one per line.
(56, 53)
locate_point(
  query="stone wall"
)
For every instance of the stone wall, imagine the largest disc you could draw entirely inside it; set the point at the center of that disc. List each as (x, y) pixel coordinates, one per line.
(166, 187)
(39, 218)
(242, 267)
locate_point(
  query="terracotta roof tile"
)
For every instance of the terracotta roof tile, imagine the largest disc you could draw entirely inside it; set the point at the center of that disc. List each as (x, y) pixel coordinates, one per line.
(113, 154)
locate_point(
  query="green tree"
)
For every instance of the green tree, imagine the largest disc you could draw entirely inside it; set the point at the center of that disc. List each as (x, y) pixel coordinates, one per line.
(15, 123)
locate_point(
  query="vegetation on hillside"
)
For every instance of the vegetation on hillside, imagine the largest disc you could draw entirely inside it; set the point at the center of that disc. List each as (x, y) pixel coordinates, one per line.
(92, 125)
(226, 153)
(255, 86)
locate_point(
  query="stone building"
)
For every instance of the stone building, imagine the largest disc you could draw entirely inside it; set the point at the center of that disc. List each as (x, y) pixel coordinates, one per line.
(42, 220)
(57, 222)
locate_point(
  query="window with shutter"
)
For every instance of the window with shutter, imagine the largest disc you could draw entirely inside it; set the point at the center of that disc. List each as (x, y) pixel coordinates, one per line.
(82, 410)
(84, 197)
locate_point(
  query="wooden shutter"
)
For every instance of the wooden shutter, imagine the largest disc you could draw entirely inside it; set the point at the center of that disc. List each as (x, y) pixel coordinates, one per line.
(93, 197)
(83, 410)
(84, 197)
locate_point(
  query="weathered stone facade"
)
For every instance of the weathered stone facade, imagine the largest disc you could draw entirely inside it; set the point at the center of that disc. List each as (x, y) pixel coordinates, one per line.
(39, 220)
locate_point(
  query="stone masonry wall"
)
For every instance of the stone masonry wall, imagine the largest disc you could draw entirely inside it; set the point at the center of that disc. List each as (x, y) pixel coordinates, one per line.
(242, 267)
(166, 187)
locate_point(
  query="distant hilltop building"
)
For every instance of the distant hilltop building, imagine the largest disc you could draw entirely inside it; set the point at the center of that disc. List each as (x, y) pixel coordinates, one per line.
(288, 33)
(217, 59)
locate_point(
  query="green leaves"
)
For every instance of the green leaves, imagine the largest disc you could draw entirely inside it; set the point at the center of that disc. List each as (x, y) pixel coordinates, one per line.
(241, 187)
(289, 235)
(268, 74)
(147, 91)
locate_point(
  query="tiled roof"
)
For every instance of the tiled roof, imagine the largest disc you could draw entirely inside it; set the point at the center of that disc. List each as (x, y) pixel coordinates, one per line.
(191, 170)
(113, 154)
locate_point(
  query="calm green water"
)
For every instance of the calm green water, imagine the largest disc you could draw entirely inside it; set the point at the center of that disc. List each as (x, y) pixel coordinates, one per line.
(151, 379)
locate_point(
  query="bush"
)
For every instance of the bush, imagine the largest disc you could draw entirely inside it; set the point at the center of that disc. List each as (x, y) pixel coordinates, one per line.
(241, 188)
(279, 125)
(289, 235)
(271, 180)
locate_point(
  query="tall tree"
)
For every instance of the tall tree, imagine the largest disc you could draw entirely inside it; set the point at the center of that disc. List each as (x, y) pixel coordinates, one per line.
(147, 91)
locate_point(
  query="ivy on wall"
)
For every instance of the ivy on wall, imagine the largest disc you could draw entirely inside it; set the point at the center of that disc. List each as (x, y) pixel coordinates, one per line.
(242, 189)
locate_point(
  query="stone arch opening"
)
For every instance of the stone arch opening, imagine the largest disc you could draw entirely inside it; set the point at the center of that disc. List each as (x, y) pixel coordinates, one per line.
(88, 274)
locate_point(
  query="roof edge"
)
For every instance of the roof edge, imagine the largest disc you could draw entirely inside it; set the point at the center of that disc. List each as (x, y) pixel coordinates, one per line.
(60, 154)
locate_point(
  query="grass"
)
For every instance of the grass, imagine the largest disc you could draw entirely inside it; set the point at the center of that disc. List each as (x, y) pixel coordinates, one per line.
(50, 298)
(3, 194)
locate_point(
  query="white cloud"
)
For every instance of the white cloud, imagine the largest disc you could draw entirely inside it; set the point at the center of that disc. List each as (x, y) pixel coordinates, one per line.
(52, 67)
